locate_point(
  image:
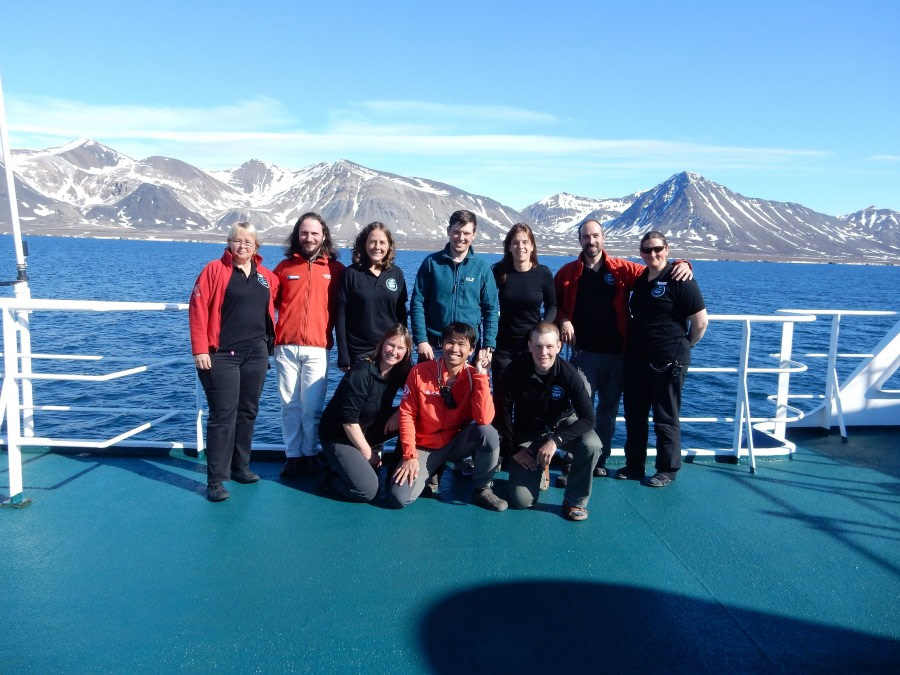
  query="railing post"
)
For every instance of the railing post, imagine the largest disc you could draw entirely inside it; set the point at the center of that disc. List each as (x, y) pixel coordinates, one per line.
(784, 380)
(740, 409)
(832, 388)
(23, 322)
(198, 419)
(12, 412)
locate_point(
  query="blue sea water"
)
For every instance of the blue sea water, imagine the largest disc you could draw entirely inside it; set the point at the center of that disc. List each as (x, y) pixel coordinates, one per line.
(162, 271)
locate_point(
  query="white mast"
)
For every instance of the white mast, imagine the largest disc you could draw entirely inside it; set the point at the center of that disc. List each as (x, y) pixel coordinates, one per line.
(21, 283)
(19, 411)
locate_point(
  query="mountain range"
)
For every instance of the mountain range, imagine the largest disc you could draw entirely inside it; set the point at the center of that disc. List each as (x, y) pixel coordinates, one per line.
(88, 189)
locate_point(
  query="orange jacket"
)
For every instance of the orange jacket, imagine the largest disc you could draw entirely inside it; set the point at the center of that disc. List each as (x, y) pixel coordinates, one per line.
(307, 290)
(425, 422)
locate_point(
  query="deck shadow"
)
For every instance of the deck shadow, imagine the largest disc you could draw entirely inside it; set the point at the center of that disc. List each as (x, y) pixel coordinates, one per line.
(570, 626)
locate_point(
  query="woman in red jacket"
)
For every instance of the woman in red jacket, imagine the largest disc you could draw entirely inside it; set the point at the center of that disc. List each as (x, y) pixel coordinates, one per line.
(232, 319)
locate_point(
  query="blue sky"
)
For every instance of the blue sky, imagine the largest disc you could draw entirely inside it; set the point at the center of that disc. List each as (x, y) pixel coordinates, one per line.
(789, 101)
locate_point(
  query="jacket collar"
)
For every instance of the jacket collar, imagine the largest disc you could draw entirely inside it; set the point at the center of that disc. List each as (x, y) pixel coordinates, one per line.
(469, 254)
(318, 259)
(228, 259)
(583, 262)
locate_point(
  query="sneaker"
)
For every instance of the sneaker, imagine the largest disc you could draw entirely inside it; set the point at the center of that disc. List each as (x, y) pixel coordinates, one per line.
(486, 499)
(246, 476)
(292, 467)
(545, 478)
(630, 473)
(216, 492)
(600, 472)
(661, 479)
(574, 513)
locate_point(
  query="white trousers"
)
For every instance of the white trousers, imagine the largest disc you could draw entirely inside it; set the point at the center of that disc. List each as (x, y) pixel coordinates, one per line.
(302, 385)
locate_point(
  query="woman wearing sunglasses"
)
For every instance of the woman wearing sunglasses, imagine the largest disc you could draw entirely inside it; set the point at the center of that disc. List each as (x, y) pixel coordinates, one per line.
(668, 318)
(361, 416)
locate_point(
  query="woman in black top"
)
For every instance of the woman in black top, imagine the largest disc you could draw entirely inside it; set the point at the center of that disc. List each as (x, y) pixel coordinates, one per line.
(656, 360)
(232, 322)
(361, 415)
(372, 295)
(523, 287)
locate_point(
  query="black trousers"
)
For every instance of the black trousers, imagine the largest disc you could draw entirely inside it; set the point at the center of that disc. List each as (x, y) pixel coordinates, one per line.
(233, 386)
(653, 385)
(505, 353)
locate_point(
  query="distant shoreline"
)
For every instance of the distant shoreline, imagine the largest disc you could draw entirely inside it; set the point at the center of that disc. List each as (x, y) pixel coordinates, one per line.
(480, 247)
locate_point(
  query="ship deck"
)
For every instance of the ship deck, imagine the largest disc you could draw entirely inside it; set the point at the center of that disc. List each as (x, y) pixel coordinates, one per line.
(120, 565)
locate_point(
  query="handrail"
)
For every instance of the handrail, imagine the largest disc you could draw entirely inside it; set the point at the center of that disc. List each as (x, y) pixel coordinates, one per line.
(16, 404)
(832, 398)
(31, 304)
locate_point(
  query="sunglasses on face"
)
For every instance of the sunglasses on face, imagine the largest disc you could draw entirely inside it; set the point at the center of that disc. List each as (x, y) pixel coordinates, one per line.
(652, 249)
(447, 396)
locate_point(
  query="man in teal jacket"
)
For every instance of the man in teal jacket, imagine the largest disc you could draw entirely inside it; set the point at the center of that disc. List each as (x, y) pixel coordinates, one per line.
(454, 284)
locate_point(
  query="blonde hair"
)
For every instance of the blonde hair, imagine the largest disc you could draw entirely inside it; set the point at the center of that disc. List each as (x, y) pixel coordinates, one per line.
(243, 227)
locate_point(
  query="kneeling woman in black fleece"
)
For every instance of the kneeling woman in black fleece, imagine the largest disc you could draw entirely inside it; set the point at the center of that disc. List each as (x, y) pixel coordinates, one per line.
(361, 416)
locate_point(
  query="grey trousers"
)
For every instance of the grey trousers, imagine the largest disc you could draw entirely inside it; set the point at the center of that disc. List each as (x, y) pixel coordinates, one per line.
(480, 441)
(352, 477)
(604, 373)
(525, 485)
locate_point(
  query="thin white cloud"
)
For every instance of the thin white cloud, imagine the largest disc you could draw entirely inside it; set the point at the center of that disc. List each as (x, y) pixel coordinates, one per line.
(457, 111)
(886, 158)
(75, 119)
(263, 128)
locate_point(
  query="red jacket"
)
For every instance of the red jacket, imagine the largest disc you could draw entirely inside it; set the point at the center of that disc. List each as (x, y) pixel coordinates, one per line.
(307, 290)
(205, 308)
(624, 272)
(425, 421)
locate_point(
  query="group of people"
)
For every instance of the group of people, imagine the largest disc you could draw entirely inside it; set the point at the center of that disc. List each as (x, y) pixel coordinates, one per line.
(630, 328)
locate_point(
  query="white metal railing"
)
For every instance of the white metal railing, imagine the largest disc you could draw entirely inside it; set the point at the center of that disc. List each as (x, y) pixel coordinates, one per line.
(871, 403)
(743, 421)
(17, 406)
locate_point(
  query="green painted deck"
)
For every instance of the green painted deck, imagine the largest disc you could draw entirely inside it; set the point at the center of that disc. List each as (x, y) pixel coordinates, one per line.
(121, 565)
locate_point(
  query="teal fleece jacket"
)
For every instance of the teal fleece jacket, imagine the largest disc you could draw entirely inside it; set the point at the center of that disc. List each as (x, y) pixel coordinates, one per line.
(446, 291)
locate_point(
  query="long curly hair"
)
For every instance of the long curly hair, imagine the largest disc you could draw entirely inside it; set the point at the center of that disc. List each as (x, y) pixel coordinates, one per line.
(293, 241)
(361, 256)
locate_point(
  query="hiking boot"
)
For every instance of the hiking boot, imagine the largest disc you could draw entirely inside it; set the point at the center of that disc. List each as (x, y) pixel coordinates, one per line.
(630, 473)
(562, 480)
(246, 476)
(216, 492)
(486, 499)
(661, 479)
